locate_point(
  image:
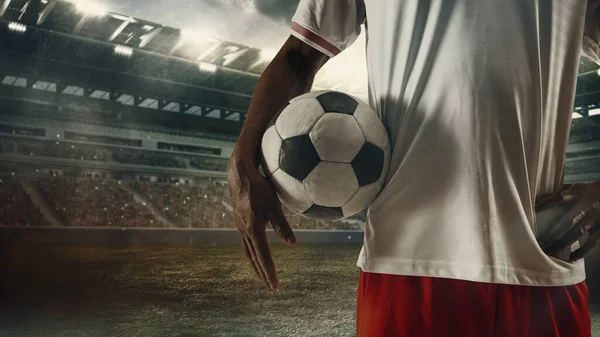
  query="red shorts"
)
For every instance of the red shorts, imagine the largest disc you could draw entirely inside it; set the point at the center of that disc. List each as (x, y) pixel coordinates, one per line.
(408, 306)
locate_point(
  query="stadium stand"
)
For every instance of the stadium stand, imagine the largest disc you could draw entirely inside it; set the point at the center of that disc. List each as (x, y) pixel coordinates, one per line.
(17, 208)
(148, 158)
(209, 206)
(85, 202)
(210, 164)
(57, 149)
(195, 206)
(102, 153)
(118, 129)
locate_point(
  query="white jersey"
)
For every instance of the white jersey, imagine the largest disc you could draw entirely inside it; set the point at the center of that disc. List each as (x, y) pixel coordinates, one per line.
(477, 97)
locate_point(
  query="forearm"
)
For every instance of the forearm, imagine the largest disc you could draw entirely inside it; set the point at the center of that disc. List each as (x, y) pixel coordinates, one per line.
(291, 73)
(591, 35)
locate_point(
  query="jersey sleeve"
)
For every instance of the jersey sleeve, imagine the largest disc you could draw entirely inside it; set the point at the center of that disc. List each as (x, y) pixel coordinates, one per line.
(591, 35)
(329, 26)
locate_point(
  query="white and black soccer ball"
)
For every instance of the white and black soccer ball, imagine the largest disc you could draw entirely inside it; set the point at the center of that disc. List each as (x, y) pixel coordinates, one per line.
(327, 153)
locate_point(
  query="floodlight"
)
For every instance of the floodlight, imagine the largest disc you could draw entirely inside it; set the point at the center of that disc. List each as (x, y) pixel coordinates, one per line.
(17, 27)
(207, 67)
(123, 50)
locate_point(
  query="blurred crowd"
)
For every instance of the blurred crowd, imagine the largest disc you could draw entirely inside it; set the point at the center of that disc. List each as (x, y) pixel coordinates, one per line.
(93, 203)
(148, 158)
(17, 208)
(209, 165)
(194, 206)
(98, 202)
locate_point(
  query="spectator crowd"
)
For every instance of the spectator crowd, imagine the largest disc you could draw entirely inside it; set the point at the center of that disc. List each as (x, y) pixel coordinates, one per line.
(99, 202)
(17, 208)
(89, 202)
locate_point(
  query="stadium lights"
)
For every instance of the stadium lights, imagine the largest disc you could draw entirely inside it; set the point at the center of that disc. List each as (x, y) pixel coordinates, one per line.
(207, 67)
(576, 115)
(594, 112)
(17, 27)
(89, 7)
(123, 50)
(598, 72)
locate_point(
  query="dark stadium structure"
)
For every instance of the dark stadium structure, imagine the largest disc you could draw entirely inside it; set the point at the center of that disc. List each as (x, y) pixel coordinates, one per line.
(112, 121)
(108, 96)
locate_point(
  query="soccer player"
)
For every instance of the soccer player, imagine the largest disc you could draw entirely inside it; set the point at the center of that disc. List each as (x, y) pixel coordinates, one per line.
(476, 96)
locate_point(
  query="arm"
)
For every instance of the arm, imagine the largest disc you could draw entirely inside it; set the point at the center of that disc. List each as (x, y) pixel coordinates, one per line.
(290, 74)
(254, 201)
(591, 34)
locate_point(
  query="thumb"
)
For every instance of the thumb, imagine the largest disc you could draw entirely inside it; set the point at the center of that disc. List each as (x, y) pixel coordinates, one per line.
(281, 226)
(550, 201)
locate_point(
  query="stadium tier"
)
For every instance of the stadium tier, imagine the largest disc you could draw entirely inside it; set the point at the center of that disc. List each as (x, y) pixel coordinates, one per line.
(104, 95)
(17, 207)
(93, 201)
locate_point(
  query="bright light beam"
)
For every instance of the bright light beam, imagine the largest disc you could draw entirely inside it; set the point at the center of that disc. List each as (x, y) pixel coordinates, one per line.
(123, 50)
(207, 67)
(89, 7)
(17, 27)
(267, 54)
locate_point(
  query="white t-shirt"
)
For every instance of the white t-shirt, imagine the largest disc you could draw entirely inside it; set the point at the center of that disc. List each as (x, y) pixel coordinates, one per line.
(477, 97)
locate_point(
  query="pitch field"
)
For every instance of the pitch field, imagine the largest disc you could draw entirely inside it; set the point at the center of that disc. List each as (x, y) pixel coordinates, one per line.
(176, 291)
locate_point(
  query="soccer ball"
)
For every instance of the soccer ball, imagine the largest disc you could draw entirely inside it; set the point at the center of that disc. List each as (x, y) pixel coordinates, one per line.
(327, 154)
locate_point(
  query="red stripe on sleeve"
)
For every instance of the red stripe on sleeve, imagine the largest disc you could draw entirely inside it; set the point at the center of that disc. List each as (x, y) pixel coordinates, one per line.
(315, 38)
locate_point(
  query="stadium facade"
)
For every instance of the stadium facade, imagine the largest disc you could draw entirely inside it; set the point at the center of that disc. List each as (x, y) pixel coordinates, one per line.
(91, 94)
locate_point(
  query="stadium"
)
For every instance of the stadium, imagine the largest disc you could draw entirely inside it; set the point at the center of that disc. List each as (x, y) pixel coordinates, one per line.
(115, 133)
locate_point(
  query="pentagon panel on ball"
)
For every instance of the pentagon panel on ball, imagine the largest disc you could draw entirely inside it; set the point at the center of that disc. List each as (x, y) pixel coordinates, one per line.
(327, 154)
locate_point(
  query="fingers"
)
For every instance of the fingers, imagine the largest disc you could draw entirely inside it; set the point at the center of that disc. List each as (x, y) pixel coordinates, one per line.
(574, 234)
(549, 201)
(566, 240)
(570, 193)
(282, 227)
(565, 225)
(265, 261)
(255, 262)
(251, 258)
(589, 245)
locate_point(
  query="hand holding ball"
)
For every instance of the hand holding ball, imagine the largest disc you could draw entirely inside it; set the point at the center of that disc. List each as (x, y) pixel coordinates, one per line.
(327, 154)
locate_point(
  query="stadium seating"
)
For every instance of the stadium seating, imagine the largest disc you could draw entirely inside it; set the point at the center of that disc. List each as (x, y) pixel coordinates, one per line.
(148, 158)
(94, 202)
(86, 202)
(78, 151)
(209, 206)
(17, 208)
(54, 149)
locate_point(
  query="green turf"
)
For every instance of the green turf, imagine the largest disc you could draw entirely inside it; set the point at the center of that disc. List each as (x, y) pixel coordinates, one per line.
(179, 291)
(176, 291)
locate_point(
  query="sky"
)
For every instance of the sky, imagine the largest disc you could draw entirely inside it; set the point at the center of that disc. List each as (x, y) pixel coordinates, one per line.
(255, 23)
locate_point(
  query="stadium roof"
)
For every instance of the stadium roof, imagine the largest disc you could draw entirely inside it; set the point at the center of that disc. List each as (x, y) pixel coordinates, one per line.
(88, 19)
(72, 40)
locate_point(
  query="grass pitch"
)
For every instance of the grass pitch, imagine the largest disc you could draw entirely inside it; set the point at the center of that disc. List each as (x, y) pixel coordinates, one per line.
(177, 291)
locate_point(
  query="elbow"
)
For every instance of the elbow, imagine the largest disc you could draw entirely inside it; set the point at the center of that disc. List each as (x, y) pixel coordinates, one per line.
(299, 58)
